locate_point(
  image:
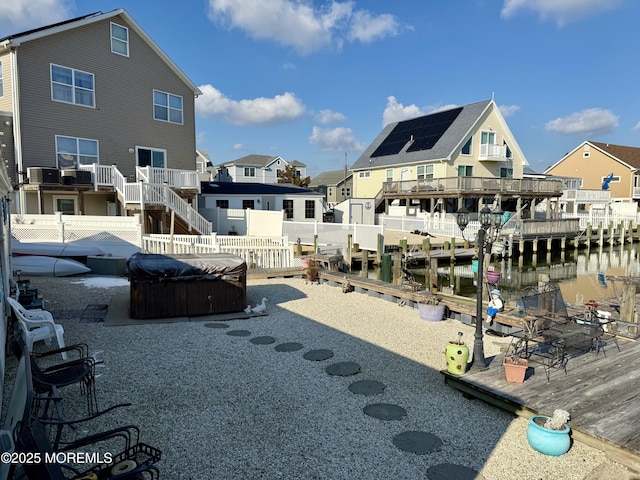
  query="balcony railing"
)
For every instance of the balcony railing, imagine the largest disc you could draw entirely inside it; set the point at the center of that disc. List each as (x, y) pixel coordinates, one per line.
(493, 152)
(473, 186)
(587, 196)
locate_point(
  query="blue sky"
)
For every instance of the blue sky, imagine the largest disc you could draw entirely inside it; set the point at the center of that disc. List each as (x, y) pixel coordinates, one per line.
(310, 80)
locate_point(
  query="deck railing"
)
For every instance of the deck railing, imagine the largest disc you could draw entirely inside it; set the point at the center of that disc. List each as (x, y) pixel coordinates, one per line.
(474, 185)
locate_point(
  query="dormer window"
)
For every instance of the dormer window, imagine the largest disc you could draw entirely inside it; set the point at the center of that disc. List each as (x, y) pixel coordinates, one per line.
(119, 40)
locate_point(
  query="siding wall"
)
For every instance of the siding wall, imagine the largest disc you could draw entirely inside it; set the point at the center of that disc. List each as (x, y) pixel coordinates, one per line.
(123, 117)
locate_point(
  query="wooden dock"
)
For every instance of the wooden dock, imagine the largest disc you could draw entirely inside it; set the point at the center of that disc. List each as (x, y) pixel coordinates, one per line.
(602, 394)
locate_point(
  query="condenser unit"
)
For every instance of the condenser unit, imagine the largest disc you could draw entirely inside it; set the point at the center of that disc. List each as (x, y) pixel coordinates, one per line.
(43, 175)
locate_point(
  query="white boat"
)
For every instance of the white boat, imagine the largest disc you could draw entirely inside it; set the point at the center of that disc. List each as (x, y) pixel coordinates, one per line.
(52, 249)
(38, 265)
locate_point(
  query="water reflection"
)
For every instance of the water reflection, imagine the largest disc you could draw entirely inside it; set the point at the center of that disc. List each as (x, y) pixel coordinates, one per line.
(581, 274)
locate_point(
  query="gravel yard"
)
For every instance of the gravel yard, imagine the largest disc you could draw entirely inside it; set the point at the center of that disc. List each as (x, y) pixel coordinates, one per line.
(221, 406)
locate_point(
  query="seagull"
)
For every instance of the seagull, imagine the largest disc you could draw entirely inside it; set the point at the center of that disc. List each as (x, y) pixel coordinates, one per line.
(261, 307)
(247, 310)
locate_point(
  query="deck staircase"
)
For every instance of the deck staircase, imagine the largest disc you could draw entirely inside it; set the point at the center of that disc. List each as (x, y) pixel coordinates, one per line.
(155, 191)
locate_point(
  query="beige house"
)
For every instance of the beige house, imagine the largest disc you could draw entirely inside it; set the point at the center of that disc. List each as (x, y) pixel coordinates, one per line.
(438, 160)
(336, 185)
(599, 165)
(98, 120)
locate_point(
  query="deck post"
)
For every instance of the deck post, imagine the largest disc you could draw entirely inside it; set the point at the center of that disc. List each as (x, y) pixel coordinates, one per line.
(350, 253)
(380, 248)
(426, 248)
(628, 303)
(364, 271)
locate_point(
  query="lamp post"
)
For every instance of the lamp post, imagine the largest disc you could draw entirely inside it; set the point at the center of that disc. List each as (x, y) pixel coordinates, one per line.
(488, 218)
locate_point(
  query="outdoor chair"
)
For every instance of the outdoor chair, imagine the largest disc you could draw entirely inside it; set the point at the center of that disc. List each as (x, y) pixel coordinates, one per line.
(135, 461)
(37, 325)
(49, 377)
(554, 335)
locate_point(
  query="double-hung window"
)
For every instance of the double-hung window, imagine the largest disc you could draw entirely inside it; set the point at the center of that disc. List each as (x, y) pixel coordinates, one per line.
(287, 206)
(119, 39)
(167, 107)
(249, 171)
(73, 152)
(309, 209)
(72, 86)
(424, 172)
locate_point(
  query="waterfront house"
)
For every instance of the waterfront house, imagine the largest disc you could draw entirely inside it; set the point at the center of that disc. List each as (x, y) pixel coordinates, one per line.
(98, 120)
(603, 166)
(438, 161)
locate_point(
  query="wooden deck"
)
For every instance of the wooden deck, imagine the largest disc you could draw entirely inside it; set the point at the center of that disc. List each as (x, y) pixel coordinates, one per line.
(602, 394)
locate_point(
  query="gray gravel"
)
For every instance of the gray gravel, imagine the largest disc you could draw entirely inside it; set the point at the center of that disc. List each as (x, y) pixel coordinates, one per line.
(222, 407)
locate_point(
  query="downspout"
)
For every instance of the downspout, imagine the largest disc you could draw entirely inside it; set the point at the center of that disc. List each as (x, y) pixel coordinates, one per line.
(21, 208)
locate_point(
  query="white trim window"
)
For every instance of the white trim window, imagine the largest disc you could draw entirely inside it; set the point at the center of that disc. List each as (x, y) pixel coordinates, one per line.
(69, 85)
(389, 175)
(506, 172)
(250, 172)
(65, 204)
(151, 157)
(119, 40)
(72, 152)
(365, 174)
(167, 107)
(424, 172)
(465, 170)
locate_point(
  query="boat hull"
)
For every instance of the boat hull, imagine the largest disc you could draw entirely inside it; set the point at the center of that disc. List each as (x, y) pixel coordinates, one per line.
(38, 265)
(52, 249)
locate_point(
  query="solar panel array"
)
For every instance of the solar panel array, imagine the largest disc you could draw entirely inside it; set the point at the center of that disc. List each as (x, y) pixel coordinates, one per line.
(425, 131)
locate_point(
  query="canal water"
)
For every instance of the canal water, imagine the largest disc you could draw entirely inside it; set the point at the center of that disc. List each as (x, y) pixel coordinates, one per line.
(582, 274)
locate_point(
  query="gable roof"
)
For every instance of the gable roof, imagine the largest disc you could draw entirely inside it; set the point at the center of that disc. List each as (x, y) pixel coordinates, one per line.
(430, 137)
(232, 188)
(255, 160)
(17, 39)
(627, 156)
(334, 177)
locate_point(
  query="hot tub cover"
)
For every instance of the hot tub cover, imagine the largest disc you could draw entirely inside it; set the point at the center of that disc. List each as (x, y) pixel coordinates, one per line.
(152, 267)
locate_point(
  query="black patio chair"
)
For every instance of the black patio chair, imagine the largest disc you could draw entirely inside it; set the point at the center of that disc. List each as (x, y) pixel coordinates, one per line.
(135, 462)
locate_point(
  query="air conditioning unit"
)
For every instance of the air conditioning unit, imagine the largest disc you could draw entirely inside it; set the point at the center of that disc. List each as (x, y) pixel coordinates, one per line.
(43, 175)
(83, 177)
(68, 177)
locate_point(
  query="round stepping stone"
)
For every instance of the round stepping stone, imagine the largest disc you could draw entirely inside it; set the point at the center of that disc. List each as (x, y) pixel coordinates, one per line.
(266, 340)
(343, 369)
(216, 325)
(239, 333)
(385, 411)
(318, 355)
(367, 387)
(416, 442)
(450, 471)
(288, 347)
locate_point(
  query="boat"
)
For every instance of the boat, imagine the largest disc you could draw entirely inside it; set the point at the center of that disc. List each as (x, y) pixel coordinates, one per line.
(39, 265)
(53, 249)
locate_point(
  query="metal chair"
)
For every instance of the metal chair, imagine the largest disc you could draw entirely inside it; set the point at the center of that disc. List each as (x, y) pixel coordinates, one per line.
(37, 325)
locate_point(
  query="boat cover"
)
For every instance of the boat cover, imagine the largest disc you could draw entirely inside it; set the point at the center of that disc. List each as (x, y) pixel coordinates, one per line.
(152, 267)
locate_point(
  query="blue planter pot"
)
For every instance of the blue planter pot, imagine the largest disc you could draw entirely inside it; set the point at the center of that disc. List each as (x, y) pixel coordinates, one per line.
(544, 440)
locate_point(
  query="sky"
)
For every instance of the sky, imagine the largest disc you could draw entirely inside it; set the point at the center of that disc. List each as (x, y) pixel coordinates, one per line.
(316, 81)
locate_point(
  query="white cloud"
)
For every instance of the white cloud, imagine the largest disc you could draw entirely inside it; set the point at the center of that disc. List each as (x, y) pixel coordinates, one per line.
(560, 11)
(338, 139)
(298, 24)
(637, 127)
(20, 15)
(396, 112)
(283, 108)
(329, 116)
(591, 121)
(238, 146)
(508, 110)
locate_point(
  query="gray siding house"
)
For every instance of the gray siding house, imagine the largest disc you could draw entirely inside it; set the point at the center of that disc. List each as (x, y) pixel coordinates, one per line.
(93, 106)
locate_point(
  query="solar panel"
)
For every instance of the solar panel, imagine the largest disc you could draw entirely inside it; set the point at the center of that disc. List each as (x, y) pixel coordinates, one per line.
(426, 131)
